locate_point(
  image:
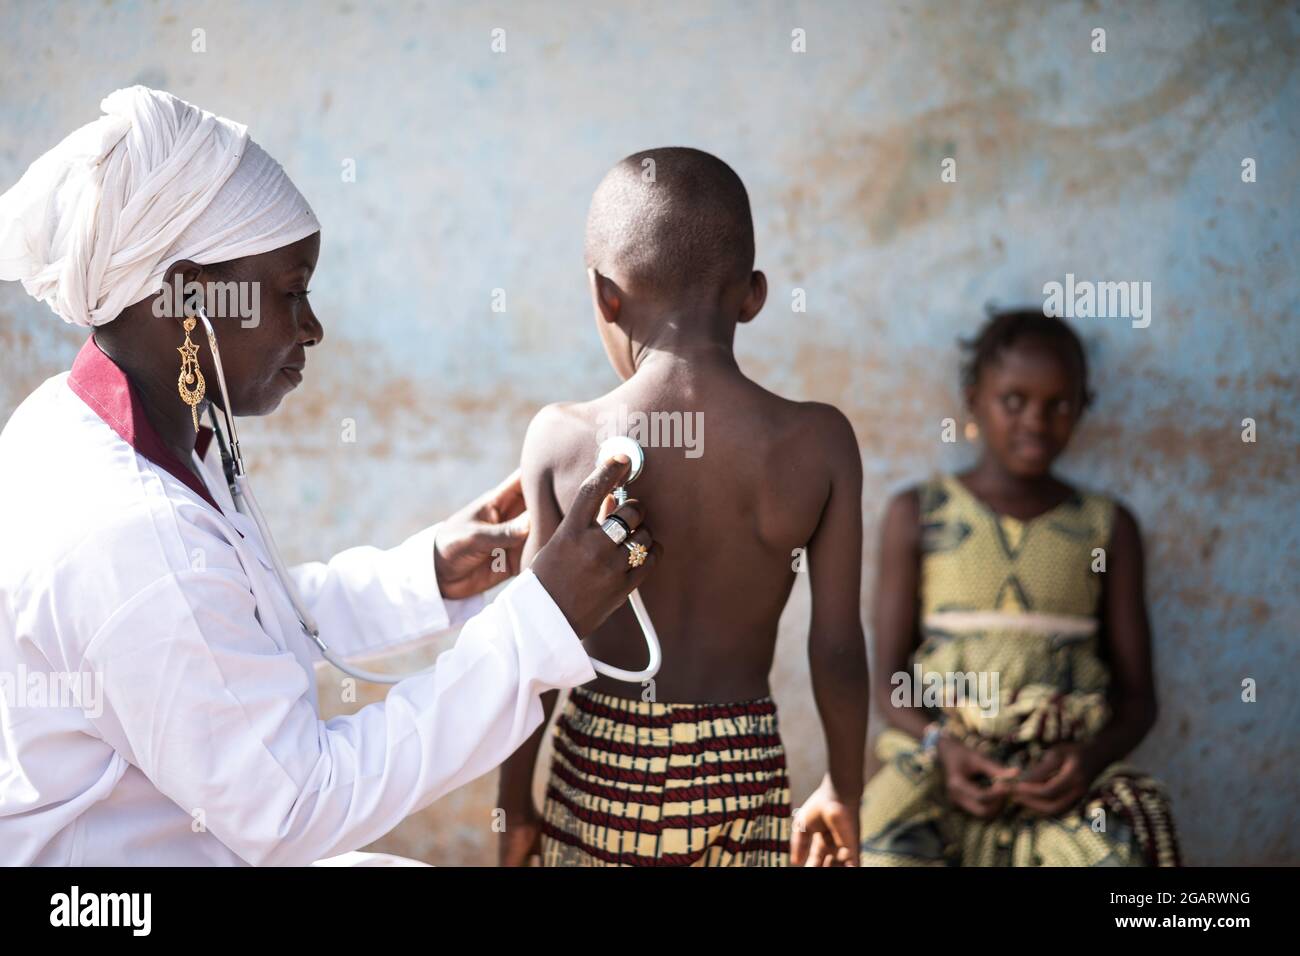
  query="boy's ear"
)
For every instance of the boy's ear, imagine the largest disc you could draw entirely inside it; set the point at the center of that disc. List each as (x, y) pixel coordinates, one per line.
(754, 300)
(606, 296)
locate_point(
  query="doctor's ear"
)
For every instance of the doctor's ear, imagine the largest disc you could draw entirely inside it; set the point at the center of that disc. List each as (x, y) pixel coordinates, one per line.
(181, 291)
(605, 295)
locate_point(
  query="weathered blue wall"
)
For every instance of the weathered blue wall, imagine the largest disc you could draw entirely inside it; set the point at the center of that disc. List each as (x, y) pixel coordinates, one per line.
(473, 173)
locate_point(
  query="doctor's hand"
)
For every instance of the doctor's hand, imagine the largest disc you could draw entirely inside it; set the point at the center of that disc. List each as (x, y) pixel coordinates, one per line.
(479, 546)
(586, 574)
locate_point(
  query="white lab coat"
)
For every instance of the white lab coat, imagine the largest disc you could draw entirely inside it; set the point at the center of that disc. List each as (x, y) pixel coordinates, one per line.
(208, 747)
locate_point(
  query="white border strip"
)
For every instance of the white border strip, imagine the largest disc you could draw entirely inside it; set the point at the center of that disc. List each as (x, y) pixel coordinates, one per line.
(963, 621)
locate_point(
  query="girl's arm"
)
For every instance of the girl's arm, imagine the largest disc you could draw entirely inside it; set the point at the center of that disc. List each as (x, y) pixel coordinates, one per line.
(895, 607)
(1074, 766)
(895, 620)
(1127, 635)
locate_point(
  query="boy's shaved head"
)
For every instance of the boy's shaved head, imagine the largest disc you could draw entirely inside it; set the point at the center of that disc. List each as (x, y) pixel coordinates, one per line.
(676, 225)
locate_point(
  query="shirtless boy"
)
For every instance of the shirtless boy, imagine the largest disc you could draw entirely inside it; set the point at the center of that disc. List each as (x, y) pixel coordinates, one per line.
(689, 769)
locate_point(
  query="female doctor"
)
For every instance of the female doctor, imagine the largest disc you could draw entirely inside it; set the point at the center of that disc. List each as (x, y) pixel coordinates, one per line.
(128, 575)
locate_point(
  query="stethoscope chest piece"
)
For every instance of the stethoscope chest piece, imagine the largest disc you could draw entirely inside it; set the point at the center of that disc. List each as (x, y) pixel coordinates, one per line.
(623, 445)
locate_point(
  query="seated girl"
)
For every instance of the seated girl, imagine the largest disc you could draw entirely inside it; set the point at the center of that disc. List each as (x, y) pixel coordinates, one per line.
(1007, 572)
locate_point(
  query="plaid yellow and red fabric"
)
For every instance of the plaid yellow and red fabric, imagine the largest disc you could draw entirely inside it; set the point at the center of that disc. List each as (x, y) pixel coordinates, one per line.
(635, 783)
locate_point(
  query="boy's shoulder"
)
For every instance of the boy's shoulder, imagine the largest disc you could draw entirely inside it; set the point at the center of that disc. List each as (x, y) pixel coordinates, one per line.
(827, 422)
(558, 433)
(560, 417)
(823, 423)
(563, 434)
(825, 431)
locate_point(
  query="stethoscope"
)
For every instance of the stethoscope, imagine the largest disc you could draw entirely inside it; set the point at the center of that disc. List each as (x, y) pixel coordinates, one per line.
(623, 445)
(241, 493)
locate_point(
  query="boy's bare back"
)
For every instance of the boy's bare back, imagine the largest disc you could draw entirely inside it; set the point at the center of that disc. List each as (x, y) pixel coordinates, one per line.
(732, 513)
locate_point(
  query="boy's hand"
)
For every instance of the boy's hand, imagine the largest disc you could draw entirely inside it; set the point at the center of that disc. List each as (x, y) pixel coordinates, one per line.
(825, 830)
(479, 546)
(962, 770)
(521, 840)
(586, 574)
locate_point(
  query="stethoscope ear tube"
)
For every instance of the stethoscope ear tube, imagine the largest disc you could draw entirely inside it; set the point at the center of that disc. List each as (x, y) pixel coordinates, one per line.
(241, 493)
(232, 461)
(309, 625)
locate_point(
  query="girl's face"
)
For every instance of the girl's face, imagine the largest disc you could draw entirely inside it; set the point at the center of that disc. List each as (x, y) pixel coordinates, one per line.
(1026, 403)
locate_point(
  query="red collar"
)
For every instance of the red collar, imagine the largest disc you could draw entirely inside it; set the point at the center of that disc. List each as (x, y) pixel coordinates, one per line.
(98, 382)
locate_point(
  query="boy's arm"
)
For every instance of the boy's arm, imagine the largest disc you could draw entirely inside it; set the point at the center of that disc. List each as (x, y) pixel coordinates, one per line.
(826, 825)
(837, 651)
(515, 782)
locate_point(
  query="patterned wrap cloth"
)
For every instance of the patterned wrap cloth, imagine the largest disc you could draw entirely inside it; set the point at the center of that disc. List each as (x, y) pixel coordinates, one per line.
(636, 783)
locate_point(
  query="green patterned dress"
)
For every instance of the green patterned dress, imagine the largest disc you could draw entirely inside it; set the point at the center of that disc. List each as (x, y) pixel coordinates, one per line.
(1013, 604)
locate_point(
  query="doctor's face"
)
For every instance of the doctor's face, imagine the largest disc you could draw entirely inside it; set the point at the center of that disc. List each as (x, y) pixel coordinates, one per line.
(264, 353)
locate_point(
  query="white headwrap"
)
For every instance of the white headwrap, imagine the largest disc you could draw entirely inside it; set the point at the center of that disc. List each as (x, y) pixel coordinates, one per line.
(94, 223)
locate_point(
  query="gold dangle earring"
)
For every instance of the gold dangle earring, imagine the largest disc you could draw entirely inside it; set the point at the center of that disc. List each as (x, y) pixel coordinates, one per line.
(191, 375)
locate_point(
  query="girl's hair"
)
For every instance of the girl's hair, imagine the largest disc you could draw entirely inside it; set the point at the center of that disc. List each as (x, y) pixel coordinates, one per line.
(1004, 328)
